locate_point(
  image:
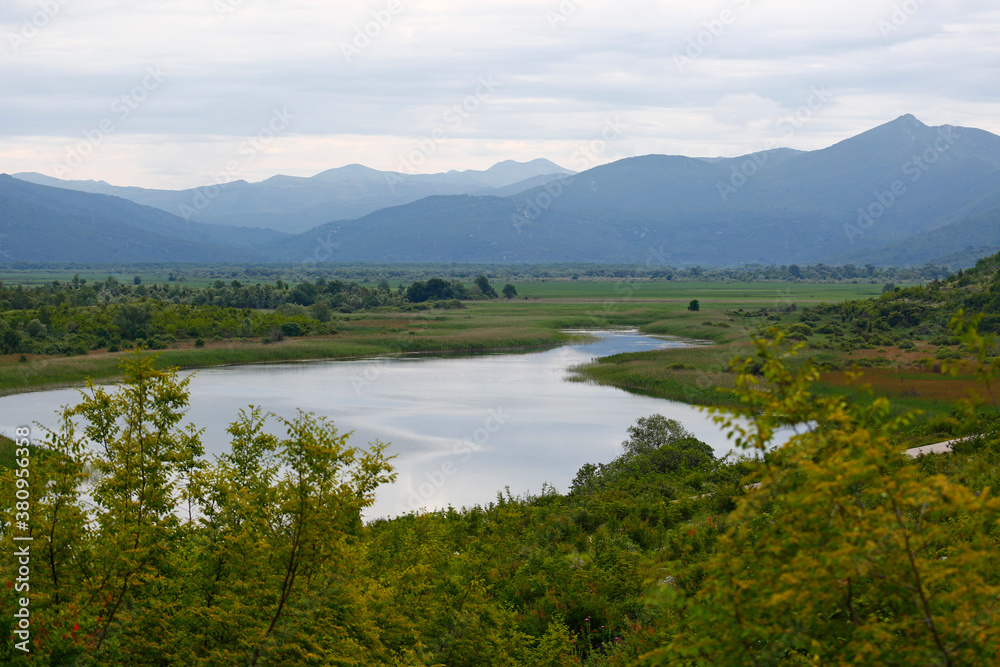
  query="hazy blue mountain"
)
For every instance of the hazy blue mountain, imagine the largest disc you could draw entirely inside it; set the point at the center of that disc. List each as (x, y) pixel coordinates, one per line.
(902, 193)
(879, 189)
(958, 244)
(44, 224)
(295, 204)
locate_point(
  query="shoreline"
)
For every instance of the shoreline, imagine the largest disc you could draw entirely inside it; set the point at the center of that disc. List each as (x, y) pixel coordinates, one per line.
(103, 368)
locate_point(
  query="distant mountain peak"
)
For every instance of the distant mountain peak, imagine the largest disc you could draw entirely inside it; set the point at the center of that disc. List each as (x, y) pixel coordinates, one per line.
(909, 119)
(537, 166)
(905, 123)
(353, 168)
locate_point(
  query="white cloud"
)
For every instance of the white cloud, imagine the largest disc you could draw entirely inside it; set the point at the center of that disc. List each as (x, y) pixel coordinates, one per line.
(564, 67)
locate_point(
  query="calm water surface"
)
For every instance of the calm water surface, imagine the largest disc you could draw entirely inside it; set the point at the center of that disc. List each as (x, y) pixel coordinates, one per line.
(462, 428)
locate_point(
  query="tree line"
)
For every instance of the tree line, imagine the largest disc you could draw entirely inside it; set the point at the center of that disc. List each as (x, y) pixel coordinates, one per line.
(499, 273)
(75, 316)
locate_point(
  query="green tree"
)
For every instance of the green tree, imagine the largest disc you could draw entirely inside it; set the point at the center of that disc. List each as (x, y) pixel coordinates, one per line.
(320, 311)
(282, 515)
(509, 291)
(291, 329)
(483, 283)
(171, 560)
(650, 433)
(10, 341)
(694, 305)
(847, 551)
(131, 318)
(36, 329)
(142, 462)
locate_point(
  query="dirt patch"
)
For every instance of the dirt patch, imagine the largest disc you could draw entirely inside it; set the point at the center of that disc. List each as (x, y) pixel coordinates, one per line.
(897, 356)
(909, 382)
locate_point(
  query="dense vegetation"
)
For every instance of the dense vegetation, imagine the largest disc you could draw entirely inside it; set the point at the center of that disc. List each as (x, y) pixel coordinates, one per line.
(903, 336)
(371, 274)
(832, 548)
(76, 316)
(921, 312)
(846, 551)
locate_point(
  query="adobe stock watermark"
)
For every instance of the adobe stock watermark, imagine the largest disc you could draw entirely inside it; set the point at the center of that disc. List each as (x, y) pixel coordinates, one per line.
(32, 26)
(324, 249)
(786, 128)
(372, 372)
(583, 158)
(916, 167)
(370, 31)
(461, 452)
(249, 149)
(562, 13)
(21, 626)
(453, 119)
(121, 109)
(713, 30)
(224, 7)
(900, 16)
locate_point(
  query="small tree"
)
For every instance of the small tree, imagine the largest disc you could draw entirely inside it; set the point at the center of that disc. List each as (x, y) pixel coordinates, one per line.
(291, 329)
(483, 283)
(36, 329)
(320, 311)
(653, 432)
(694, 305)
(509, 291)
(132, 318)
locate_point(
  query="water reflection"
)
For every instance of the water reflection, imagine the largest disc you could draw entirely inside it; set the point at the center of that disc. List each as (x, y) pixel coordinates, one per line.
(462, 429)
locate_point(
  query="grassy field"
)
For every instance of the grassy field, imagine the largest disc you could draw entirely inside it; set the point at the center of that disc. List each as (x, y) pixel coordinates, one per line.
(533, 320)
(701, 374)
(712, 294)
(537, 318)
(362, 336)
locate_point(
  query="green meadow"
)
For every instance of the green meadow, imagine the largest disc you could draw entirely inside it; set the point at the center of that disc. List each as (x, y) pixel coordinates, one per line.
(535, 319)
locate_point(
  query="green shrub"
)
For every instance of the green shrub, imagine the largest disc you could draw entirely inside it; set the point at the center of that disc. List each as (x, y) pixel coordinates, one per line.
(799, 331)
(291, 329)
(946, 353)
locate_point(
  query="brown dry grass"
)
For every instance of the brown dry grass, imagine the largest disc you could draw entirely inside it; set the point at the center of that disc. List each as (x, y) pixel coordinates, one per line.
(909, 383)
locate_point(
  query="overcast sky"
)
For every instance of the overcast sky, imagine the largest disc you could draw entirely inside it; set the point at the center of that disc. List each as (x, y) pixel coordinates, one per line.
(176, 93)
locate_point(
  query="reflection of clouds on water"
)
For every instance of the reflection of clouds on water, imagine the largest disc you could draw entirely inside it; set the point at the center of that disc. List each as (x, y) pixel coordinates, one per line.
(425, 407)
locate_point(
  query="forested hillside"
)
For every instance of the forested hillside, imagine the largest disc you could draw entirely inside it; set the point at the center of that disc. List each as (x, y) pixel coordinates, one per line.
(922, 311)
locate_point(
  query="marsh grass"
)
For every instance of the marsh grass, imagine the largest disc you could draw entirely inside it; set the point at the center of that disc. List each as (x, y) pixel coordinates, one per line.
(697, 375)
(358, 339)
(485, 326)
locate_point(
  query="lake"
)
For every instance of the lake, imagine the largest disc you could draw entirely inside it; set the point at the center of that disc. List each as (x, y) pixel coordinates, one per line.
(462, 428)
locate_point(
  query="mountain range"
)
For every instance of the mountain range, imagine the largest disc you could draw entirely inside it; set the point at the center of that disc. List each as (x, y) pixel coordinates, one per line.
(295, 204)
(901, 193)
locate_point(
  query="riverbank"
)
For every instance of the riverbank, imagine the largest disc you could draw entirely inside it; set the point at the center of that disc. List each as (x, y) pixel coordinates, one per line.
(42, 373)
(533, 321)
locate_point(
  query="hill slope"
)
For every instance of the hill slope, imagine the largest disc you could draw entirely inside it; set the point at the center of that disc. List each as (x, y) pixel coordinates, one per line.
(295, 204)
(862, 198)
(901, 193)
(43, 224)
